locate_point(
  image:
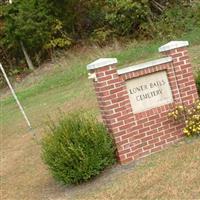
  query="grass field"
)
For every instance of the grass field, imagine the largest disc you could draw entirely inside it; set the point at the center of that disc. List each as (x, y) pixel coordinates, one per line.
(63, 85)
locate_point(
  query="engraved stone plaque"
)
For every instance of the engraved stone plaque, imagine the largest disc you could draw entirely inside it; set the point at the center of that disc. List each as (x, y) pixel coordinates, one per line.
(149, 91)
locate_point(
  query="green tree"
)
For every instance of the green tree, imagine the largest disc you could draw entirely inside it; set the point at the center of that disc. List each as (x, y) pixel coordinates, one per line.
(27, 22)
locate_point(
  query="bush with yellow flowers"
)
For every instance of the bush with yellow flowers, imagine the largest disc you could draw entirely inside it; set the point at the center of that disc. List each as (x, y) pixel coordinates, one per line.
(190, 116)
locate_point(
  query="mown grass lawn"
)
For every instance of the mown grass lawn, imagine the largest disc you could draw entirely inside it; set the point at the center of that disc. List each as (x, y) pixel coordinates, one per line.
(62, 86)
(171, 174)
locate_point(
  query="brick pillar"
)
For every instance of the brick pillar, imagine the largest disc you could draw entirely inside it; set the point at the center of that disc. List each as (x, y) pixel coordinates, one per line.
(113, 101)
(183, 70)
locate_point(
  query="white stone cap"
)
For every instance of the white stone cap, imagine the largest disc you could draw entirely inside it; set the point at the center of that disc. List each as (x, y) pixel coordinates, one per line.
(173, 45)
(102, 62)
(144, 65)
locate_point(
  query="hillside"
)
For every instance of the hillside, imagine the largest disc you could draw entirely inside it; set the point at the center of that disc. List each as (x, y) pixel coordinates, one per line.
(62, 85)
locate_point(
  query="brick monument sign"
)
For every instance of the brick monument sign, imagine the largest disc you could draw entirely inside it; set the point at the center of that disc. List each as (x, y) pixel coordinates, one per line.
(135, 101)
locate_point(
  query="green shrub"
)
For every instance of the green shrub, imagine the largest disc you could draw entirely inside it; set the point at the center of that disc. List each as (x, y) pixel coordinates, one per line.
(127, 15)
(77, 149)
(198, 82)
(101, 36)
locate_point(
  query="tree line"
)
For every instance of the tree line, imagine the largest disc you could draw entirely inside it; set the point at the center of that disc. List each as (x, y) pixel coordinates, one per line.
(36, 28)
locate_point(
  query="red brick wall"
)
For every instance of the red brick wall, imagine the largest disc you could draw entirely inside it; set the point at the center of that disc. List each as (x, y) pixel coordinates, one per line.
(138, 135)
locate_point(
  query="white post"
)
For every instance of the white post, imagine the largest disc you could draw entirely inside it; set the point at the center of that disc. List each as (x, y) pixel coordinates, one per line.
(15, 96)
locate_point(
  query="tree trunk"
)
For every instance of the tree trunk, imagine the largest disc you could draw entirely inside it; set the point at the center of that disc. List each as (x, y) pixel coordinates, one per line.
(28, 60)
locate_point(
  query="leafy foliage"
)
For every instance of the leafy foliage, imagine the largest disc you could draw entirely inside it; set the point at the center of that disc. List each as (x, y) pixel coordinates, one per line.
(29, 23)
(126, 16)
(47, 25)
(101, 36)
(190, 116)
(58, 38)
(176, 21)
(77, 149)
(32, 23)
